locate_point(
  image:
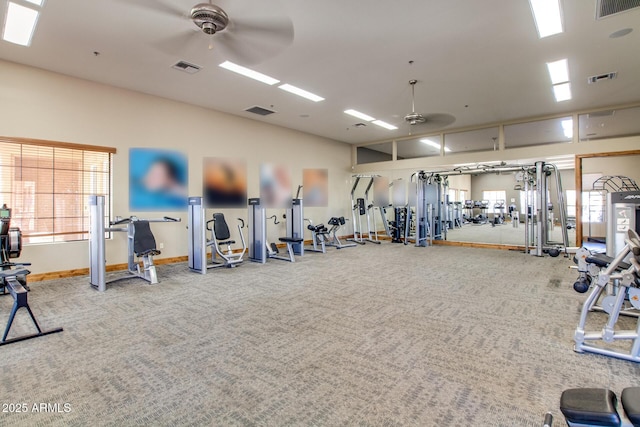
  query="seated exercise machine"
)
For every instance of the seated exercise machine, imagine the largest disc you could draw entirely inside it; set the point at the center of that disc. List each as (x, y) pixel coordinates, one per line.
(140, 243)
(13, 278)
(585, 407)
(259, 248)
(319, 237)
(220, 237)
(624, 288)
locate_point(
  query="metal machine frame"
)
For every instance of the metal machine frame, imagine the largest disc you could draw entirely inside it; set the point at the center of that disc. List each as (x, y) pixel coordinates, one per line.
(259, 247)
(198, 242)
(97, 230)
(625, 280)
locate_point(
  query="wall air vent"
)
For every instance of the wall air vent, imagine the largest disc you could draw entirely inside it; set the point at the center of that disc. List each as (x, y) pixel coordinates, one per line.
(602, 77)
(606, 8)
(186, 67)
(259, 111)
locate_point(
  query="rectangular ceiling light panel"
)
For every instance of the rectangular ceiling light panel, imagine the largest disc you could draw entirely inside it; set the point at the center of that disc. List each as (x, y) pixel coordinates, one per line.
(358, 114)
(562, 92)
(228, 65)
(548, 17)
(36, 2)
(384, 125)
(558, 71)
(19, 25)
(301, 92)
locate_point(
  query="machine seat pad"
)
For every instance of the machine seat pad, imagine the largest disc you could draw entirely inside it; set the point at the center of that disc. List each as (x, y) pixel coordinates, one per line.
(591, 406)
(601, 260)
(152, 252)
(291, 240)
(228, 242)
(631, 403)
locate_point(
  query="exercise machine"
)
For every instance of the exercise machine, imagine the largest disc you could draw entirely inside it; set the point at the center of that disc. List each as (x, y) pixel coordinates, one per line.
(586, 407)
(319, 237)
(362, 206)
(498, 213)
(140, 244)
(623, 213)
(337, 222)
(13, 278)
(259, 247)
(220, 236)
(626, 282)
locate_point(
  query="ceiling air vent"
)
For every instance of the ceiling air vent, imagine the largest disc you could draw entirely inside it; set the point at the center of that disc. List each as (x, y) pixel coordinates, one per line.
(604, 113)
(602, 77)
(186, 67)
(259, 111)
(606, 8)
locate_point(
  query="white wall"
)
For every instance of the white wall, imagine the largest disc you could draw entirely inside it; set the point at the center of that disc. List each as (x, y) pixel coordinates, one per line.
(43, 105)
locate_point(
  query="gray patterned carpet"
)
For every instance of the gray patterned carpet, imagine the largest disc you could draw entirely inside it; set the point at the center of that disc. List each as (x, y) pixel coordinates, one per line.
(387, 335)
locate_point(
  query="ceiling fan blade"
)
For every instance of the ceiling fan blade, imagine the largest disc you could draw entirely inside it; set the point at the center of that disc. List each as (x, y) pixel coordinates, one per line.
(439, 120)
(250, 45)
(161, 6)
(182, 43)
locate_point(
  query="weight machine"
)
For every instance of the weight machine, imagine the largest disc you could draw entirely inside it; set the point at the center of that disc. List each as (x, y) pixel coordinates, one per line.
(13, 278)
(362, 207)
(429, 219)
(140, 243)
(625, 277)
(220, 235)
(259, 247)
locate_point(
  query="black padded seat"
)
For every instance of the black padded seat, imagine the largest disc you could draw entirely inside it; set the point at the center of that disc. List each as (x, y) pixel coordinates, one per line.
(228, 242)
(143, 241)
(631, 403)
(291, 240)
(591, 406)
(601, 260)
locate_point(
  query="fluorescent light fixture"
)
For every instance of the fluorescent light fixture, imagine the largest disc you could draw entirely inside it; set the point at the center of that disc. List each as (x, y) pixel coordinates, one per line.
(567, 128)
(562, 92)
(301, 92)
(36, 2)
(248, 73)
(548, 17)
(434, 144)
(19, 25)
(358, 114)
(384, 125)
(558, 71)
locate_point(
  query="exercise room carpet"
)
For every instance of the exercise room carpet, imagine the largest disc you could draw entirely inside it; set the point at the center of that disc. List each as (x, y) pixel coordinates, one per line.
(386, 335)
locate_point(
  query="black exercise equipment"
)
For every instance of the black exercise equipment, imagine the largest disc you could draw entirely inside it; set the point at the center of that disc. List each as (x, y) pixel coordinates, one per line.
(599, 407)
(13, 278)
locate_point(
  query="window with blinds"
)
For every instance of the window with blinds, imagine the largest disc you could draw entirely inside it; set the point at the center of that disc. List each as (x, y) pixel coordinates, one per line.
(46, 185)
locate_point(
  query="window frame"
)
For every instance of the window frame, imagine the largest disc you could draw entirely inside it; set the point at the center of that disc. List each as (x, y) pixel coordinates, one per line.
(56, 233)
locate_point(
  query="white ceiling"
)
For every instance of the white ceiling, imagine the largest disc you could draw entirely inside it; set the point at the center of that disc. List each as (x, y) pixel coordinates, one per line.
(478, 61)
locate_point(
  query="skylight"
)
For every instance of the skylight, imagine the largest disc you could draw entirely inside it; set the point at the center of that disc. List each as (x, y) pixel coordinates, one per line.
(228, 65)
(358, 114)
(384, 125)
(547, 16)
(301, 92)
(434, 144)
(19, 24)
